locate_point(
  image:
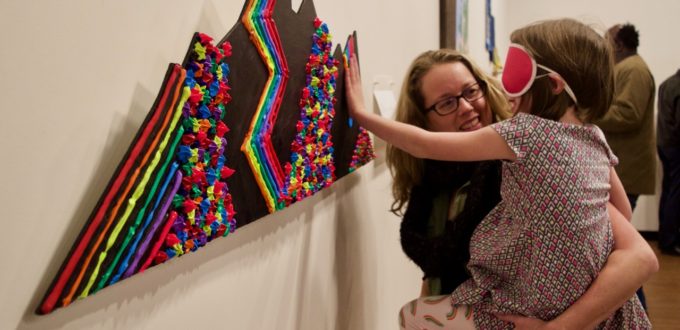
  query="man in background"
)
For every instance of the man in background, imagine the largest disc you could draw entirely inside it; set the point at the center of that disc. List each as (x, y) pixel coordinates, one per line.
(668, 147)
(629, 123)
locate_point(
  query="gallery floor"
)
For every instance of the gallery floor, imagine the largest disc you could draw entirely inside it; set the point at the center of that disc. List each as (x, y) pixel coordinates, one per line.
(663, 292)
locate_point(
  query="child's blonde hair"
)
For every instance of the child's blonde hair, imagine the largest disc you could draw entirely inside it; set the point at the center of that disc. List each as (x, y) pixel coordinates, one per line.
(581, 56)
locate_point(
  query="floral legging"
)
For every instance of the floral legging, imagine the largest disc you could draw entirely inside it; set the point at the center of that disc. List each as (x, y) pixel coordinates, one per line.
(435, 312)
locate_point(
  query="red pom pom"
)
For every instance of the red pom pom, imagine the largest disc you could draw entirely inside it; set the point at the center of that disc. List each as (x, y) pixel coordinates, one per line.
(171, 240)
(160, 257)
(222, 228)
(204, 38)
(226, 48)
(188, 139)
(226, 172)
(209, 219)
(221, 129)
(188, 206)
(218, 188)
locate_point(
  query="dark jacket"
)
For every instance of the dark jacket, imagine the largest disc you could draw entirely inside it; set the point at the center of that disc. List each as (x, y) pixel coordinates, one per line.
(446, 256)
(668, 121)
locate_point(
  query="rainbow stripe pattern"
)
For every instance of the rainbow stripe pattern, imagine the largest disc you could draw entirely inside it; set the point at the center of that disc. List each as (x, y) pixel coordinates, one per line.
(257, 145)
(168, 196)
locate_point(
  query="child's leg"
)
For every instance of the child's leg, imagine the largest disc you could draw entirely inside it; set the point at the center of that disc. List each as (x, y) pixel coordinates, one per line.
(435, 312)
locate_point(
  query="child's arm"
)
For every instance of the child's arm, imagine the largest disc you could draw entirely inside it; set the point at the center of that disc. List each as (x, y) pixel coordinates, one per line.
(483, 144)
(617, 195)
(631, 263)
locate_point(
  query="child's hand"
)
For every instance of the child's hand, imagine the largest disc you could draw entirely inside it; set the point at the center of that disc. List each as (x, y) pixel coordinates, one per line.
(353, 89)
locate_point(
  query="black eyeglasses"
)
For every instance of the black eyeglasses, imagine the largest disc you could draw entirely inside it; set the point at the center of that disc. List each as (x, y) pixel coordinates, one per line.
(450, 104)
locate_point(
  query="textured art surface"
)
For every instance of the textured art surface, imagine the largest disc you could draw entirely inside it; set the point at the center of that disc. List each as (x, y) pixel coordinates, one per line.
(244, 127)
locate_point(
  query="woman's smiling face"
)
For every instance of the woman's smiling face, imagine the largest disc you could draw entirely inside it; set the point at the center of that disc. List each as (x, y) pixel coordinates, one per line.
(448, 80)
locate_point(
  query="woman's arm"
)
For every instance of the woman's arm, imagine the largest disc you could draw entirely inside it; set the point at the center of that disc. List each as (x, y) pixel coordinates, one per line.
(631, 263)
(482, 144)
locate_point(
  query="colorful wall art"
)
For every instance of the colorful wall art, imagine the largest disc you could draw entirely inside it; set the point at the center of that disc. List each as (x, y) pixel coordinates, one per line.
(244, 127)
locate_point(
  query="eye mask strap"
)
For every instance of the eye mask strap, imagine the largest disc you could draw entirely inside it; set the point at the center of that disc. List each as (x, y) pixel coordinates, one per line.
(567, 89)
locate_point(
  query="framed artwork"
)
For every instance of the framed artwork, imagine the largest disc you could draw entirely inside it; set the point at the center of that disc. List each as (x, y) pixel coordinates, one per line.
(453, 24)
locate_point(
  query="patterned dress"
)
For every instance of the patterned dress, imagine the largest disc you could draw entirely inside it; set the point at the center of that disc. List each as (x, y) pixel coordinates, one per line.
(538, 251)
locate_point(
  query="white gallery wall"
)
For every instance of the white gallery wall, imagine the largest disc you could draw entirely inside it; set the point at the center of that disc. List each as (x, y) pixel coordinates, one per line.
(77, 78)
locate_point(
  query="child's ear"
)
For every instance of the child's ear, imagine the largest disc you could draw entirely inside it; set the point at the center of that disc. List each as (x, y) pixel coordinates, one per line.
(556, 83)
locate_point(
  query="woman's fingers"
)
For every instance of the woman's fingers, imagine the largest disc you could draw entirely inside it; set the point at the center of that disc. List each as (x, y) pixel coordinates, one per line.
(523, 322)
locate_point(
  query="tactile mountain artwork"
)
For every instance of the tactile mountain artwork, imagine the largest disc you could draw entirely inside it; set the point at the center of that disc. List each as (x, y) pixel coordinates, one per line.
(245, 126)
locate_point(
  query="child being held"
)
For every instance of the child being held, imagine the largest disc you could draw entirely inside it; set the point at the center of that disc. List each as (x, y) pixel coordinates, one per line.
(540, 249)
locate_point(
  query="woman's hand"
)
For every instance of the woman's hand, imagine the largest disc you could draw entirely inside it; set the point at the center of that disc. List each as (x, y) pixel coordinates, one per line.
(526, 323)
(353, 88)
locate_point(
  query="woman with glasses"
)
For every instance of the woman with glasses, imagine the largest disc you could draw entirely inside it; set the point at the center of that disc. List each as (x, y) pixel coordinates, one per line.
(445, 201)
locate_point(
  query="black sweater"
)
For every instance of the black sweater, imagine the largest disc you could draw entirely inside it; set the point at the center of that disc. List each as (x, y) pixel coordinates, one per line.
(446, 256)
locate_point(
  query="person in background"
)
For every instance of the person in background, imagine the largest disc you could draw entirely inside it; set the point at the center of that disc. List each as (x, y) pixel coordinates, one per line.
(629, 123)
(668, 147)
